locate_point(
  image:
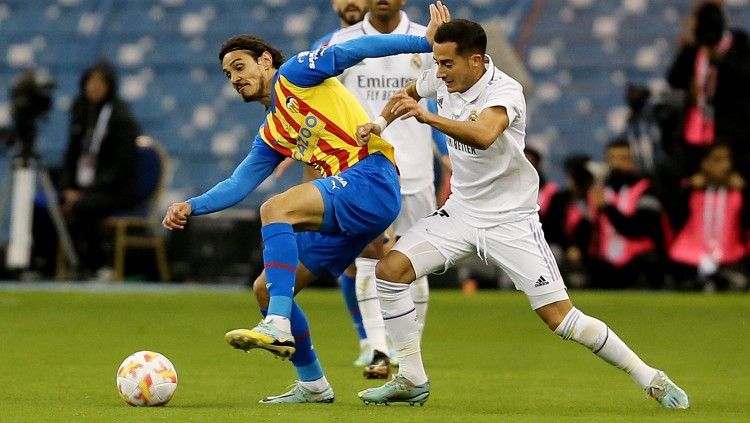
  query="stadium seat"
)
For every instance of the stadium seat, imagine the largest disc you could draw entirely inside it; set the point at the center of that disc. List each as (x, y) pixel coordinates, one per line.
(139, 227)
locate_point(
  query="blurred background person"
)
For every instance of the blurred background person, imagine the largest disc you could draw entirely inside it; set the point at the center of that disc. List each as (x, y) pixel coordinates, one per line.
(99, 171)
(641, 129)
(713, 71)
(711, 219)
(628, 242)
(350, 12)
(567, 223)
(547, 188)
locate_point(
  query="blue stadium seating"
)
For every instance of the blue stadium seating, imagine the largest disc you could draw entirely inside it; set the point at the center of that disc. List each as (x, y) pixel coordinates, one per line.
(166, 53)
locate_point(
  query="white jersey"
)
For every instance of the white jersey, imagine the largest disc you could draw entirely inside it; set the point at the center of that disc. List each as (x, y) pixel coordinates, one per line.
(374, 81)
(499, 184)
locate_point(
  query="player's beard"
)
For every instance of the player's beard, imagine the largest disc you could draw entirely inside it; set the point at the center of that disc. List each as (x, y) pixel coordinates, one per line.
(257, 94)
(351, 14)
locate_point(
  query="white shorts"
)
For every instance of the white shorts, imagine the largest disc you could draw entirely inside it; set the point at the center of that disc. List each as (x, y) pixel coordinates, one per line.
(439, 241)
(414, 207)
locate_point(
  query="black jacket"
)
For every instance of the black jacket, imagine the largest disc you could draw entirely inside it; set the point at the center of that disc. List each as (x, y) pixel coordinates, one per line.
(732, 96)
(116, 163)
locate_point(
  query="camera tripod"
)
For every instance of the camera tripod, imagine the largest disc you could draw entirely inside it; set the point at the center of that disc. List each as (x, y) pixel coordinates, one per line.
(21, 184)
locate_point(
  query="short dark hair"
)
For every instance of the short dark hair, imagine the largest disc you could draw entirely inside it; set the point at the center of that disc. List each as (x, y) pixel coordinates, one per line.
(254, 46)
(709, 24)
(617, 143)
(469, 36)
(575, 167)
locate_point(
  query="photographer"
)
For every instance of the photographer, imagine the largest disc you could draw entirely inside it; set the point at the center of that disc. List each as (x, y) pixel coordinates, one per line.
(99, 173)
(712, 71)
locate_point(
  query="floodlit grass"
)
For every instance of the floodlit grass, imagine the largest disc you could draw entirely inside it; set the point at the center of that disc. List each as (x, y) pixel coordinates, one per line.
(488, 356)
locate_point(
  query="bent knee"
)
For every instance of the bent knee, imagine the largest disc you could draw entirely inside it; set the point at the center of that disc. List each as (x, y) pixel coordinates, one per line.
(395, 267)
(273, 210)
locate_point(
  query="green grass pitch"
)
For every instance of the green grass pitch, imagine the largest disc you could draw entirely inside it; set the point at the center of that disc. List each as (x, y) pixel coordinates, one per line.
(488, 356)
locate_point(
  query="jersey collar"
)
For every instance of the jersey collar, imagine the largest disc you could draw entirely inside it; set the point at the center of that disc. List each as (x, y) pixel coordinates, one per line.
(472, 93)
(402, 28)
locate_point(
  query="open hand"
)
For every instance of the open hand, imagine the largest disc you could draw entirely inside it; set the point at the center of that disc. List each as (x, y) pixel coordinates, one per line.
(439, 14)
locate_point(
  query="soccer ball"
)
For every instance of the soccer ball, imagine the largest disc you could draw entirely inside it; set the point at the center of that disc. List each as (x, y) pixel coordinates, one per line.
(146, 378)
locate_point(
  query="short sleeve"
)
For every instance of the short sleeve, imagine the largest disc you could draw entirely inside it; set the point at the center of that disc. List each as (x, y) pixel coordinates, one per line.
(508, 95)
(427, 83)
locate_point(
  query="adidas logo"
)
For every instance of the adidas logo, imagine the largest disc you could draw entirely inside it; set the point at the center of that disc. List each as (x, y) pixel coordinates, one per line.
(541, 282)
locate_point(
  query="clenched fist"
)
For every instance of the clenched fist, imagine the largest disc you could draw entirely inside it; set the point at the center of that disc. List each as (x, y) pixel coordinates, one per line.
(177, 216)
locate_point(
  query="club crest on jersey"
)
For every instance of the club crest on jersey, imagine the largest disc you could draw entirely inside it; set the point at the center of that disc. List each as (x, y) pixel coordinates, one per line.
(473, 116)
(440, 101)
(292, 105)
(416, 61)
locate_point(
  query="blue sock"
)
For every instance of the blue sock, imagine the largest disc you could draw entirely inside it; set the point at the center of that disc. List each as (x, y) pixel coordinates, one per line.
(280, 258)
(304, 358)
(348, 289)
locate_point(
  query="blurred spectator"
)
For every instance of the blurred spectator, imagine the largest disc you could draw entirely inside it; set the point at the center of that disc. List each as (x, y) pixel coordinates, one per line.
(546, 188)
(711, 219)
(627, 241)
(567, 223)
(349, 11)
(641, 129)
(713, 72)
(99, 174)
(686, 36)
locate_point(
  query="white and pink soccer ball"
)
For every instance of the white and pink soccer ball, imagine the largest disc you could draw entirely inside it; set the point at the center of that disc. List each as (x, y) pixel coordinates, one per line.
(146, 378)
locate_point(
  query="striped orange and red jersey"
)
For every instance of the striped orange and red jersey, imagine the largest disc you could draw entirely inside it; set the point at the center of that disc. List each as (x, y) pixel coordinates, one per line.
(317, 126)
(312, 118)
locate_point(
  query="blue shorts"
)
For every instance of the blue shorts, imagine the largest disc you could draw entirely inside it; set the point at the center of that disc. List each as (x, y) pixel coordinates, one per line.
(360, 203)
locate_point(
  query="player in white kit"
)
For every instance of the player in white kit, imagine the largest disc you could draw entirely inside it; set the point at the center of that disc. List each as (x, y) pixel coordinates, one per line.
(492, 212)
(373, 82)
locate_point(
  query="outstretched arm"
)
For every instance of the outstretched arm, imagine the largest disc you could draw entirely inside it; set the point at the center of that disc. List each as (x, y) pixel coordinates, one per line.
(254, 169)
(310, 68)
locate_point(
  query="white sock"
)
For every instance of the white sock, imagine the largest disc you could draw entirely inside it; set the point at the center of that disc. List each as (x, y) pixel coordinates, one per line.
(400, 319)
(318, 385)
(369, 306)
(602, 341)
(280, 322)
(364, 345)
(420, 293)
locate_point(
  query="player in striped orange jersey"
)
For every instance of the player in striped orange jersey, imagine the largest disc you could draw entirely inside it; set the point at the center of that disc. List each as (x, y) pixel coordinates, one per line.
(317, 227)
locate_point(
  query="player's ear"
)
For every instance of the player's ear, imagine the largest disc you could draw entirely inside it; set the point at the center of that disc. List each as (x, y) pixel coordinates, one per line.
(265, 60)
(476, 60)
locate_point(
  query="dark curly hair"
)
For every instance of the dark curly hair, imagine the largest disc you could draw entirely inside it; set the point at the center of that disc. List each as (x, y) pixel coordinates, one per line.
(252, 45)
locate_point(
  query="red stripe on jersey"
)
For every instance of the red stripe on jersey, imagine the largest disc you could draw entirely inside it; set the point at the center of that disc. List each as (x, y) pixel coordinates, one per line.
(280, 127)
(363, 153)
(330, 126)
(323, 165)
(271, 142)
(282, 111)
(341, 155)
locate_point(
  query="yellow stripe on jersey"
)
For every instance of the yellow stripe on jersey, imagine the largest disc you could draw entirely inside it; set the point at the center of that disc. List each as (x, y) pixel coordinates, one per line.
(317, 125)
